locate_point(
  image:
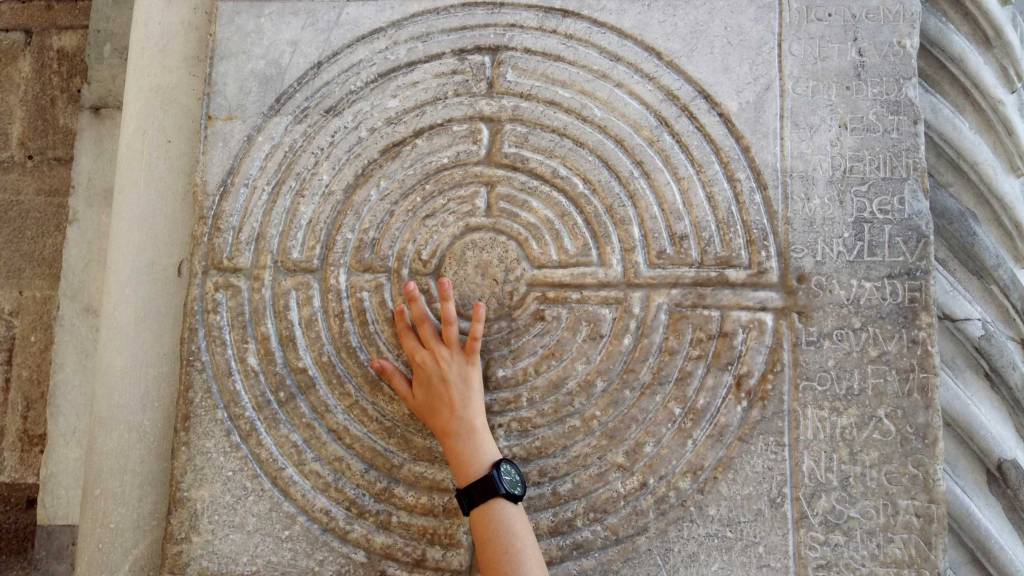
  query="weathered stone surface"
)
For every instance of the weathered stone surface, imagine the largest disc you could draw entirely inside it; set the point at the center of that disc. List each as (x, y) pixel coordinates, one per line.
(44, 15)
(56, 73)
(77, 328)
(711, 340)
(107, 55)
(45, 178)
(26, 337)
(867, 464)
(41, 70)
(84, 261)
(17, 519)
(32, 237)
(974, 143)
(54, 551)
(12, 71)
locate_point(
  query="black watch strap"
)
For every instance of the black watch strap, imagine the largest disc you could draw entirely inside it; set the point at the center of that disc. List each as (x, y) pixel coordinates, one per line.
(477, 492)
(490, 486)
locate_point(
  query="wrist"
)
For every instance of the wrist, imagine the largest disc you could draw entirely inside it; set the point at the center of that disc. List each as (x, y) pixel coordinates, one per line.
(470, 452)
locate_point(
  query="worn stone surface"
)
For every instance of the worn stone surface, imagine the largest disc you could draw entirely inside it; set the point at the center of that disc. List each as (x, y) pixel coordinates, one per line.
(44, 14)
(54, 550)
(41, 71)
(26, 337)
(17, 519)
(867, 465)
(974, 142)
(705, 240)
(12, 72)
(51, 179)
(107, 55)
(32, 237)
(77, 327)
(57, 63)
(82, 271)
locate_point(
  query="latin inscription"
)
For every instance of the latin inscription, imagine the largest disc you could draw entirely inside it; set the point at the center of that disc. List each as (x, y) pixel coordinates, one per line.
(846, 14)
(867, 497)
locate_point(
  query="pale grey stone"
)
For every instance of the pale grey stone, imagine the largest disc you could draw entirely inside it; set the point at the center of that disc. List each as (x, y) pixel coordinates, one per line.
(109, 31)
(83, 265)
(77, 325)
(703, 367)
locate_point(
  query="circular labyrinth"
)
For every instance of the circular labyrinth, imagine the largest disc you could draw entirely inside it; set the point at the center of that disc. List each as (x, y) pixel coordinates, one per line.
(593, 194)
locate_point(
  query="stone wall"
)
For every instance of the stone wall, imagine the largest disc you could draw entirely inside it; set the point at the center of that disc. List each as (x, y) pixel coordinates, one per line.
(971, 67)
(42, 69)
(655, 364)
(76, 329)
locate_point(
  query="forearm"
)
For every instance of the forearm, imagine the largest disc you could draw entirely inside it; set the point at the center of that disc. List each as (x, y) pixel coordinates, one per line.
(471, 454)
(502, 535)
(446, 393)
(504, 540)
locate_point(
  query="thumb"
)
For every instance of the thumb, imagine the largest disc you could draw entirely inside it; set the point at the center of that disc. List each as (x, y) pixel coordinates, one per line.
(394, 377)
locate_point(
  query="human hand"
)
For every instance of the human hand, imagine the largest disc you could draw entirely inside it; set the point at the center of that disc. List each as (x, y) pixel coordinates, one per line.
(446, 391)
(447, 394)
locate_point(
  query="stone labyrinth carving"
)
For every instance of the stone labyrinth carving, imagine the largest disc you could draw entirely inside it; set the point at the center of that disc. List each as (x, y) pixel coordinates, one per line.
(594, 195)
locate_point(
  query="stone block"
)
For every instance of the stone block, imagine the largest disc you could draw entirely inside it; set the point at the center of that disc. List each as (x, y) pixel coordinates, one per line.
(8, 337)
(47, 178)
(44, 14)
(13, 71)
(26, 341)
(49, 99)
(703, 235)
(17, 522)
(32, 236)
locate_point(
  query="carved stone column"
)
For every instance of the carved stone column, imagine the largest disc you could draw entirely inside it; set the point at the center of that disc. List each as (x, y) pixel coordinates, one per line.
(124, 499)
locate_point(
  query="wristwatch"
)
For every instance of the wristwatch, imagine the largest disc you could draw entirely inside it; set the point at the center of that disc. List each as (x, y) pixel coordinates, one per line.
(505, 479)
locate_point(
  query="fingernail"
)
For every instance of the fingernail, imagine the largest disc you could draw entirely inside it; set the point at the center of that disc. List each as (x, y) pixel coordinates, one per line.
(411, 286)
(374, 365)
(445, 283)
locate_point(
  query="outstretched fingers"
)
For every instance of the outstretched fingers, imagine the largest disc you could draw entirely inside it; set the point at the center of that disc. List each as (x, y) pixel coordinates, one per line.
(394, 377)
(406, 337)
(420, 317)
(449, 317)
(476, 329)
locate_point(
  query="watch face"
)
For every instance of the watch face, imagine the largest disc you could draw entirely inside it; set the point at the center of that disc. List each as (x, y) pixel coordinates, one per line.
(512, 478)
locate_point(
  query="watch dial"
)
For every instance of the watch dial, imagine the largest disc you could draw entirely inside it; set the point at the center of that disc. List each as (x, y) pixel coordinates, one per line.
(512, 479)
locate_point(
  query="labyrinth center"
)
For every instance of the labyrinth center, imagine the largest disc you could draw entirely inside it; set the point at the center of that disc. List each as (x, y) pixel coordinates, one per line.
(596, 197)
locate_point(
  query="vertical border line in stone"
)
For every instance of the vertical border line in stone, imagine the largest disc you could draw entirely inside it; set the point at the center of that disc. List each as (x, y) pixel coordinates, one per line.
(782, 170)
(790, 460)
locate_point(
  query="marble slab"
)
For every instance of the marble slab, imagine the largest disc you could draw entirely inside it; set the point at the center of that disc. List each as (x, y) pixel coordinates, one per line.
(702, 232)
